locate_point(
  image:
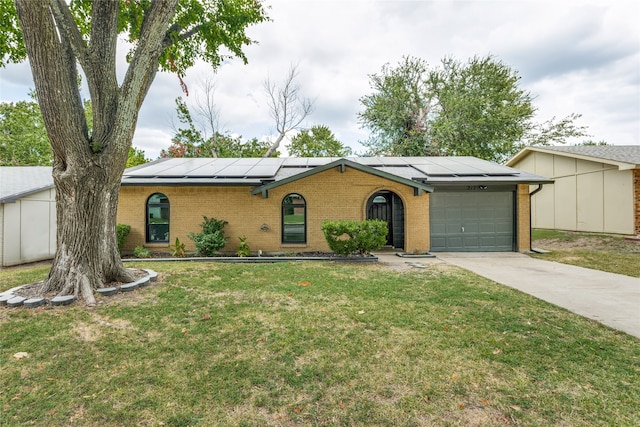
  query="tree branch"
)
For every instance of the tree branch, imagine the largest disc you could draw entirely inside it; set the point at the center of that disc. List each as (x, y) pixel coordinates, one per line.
(69, 31)
(175, 28)
(101, 73)
(287, 107)
(53, 65)
(144, 64)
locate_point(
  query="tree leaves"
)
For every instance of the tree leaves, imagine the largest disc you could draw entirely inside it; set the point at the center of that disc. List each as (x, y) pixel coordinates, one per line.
(23, 137)
(318, 141)
(475, 108)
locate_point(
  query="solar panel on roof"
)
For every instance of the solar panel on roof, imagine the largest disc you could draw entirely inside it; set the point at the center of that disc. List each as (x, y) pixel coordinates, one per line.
(402, 171)
(235, 170)
(434, 169)
(210, 168)
(395, 161)
(247, 161)
(263, 170)
(295, 161)
(150, 170)
(368, 161)
(320, 161)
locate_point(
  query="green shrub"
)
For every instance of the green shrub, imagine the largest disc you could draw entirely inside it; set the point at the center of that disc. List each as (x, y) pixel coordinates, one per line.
(141, 252)
(349, 237)
(211, 225)
(211, 239)
(243, 249)
(178, 249)
(122, 231)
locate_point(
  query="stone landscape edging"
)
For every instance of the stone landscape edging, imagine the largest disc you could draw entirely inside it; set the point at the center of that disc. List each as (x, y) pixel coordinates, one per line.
(9, 299)
(406, 255)
(256, 259)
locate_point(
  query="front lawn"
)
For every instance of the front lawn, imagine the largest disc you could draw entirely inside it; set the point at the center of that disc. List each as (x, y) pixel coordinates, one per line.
(311, 343)
(602, 252)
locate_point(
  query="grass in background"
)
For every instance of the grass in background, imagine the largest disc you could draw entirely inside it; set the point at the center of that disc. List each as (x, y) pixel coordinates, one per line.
(602, 252)
(22, 275)
(315, 344)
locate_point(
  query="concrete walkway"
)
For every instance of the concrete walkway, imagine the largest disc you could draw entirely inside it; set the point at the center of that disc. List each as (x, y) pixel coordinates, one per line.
(611, 299)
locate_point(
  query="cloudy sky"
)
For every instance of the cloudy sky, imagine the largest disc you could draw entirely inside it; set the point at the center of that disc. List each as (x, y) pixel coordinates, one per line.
(573, 56)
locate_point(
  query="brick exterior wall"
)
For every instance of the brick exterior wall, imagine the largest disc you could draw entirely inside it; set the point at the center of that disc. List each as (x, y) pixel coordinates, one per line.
(523, 212)
(330, 195)
(636, 198)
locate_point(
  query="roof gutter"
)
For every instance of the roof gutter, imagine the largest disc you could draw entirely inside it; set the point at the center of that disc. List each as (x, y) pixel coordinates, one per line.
(533, 193)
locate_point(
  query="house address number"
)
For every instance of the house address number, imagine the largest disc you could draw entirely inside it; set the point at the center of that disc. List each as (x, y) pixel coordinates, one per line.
(476, 187)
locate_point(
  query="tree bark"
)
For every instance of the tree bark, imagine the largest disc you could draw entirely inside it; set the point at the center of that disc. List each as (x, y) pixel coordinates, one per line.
(87, 253)
(88, 167)
(274, 145)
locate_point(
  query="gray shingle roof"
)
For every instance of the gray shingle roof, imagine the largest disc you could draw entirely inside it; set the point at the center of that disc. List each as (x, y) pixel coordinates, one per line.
(616, 153)
(20, 181)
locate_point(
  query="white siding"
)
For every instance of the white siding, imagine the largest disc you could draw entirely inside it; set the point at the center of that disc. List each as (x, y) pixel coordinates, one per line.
(28, 229)
(586, 196)
(618, 201)
(590, 199)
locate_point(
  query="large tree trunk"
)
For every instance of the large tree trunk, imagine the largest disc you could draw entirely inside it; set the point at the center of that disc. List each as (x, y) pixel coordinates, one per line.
(88, 165)
(86, 232)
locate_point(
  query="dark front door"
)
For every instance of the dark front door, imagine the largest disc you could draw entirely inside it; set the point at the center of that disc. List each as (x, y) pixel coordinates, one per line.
(388, 207)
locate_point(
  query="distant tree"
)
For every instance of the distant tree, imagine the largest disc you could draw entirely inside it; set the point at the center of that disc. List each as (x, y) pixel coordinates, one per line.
(199, 134)
(24, 140)
(250, 148)
(287, 106)
(221, 146)
(397, 112)
(462, 109)
(23, 137)
(318, 141)
(136, 157)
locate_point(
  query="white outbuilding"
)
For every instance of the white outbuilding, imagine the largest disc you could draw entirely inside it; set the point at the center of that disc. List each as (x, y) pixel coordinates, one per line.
(596, 189)
(27, 215)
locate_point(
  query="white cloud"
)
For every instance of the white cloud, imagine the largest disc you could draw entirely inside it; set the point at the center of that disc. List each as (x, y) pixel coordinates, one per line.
(573, 56)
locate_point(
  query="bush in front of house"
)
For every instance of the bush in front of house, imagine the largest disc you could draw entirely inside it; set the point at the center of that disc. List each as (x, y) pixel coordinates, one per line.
(141, 252)
(122, 231)
(211, 239)
(349, 237)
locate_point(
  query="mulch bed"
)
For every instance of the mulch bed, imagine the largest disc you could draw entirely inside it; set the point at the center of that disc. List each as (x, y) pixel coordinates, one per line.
(34, 290)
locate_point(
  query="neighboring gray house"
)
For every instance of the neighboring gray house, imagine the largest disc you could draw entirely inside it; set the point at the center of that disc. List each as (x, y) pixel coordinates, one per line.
(27, 215)
(597, 188)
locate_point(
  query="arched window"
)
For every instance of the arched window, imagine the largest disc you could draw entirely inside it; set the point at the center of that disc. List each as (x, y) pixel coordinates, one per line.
(294, 219)
(157, 218)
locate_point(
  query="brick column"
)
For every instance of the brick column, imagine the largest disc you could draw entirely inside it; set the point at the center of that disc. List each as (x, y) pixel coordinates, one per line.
(524, 218)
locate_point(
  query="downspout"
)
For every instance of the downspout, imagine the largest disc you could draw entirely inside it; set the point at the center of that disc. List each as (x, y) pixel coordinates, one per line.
(530, 216)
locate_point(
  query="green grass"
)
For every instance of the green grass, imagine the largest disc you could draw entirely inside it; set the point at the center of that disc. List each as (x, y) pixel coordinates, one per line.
(597, 251)
(17, 276)
(330, 344)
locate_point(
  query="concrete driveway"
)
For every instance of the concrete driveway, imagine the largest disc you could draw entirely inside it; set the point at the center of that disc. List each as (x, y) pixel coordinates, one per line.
(611, 299)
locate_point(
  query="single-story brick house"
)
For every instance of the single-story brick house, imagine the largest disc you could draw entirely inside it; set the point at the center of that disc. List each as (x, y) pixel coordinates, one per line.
(279, 204)
(27, 215)
(597, 188)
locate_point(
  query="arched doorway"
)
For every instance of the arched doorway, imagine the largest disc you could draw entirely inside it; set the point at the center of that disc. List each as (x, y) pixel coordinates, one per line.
(387, 206)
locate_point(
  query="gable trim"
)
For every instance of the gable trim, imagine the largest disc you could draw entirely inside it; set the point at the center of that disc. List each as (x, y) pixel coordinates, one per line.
(527, 150)
(342, 164)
